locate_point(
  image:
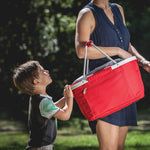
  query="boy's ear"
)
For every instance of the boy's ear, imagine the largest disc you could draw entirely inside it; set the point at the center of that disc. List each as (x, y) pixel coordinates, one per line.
(35, 81)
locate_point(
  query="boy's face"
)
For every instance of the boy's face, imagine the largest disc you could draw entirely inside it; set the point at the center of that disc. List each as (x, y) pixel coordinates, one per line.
(44, 76)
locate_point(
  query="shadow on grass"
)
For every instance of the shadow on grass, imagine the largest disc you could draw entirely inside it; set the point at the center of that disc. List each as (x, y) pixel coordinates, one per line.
(60, 147)
(16, 146)
(138, 147)
(13, 146)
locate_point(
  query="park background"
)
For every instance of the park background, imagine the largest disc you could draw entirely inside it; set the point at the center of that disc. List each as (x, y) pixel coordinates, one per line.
(44, 30)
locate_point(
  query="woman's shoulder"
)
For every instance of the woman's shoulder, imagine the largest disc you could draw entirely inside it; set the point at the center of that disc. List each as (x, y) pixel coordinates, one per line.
(85, 13)
(87, 9)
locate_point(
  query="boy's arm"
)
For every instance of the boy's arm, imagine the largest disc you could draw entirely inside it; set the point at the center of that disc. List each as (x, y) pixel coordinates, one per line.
(61, 103)
(48, 108)
(65, 113)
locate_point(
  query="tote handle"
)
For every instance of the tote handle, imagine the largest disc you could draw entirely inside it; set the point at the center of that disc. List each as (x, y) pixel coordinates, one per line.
(86, 61)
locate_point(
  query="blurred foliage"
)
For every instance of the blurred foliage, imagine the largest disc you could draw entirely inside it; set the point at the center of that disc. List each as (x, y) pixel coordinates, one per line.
(44, 30)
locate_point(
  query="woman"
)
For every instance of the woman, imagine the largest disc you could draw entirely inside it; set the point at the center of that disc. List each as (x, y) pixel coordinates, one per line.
(104, 23)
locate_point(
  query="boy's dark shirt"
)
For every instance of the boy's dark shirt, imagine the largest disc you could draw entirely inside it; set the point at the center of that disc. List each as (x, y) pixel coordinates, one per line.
(42, 130)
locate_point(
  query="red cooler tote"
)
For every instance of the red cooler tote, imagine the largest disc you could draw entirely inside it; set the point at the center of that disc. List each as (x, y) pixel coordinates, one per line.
(109, 87)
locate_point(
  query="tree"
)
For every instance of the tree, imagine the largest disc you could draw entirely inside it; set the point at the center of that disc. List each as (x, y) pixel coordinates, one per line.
(44, 30)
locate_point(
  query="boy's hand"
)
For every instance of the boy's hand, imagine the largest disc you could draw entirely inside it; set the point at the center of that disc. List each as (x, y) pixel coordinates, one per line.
(65, 112)
(68, 92)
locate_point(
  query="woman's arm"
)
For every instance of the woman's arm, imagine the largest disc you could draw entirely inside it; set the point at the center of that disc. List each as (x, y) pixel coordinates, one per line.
(142, 61)
(84, 27)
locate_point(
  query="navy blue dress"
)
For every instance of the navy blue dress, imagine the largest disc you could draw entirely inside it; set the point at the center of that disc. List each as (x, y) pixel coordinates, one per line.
(107, 34)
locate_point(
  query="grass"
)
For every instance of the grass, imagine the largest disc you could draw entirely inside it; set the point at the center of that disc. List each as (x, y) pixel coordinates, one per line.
(80, 137)
(138, 140)
(74, 135)
(13, 140)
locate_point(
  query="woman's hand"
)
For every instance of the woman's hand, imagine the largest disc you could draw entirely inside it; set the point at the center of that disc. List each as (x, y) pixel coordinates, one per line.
(142, 61)
(145, 64)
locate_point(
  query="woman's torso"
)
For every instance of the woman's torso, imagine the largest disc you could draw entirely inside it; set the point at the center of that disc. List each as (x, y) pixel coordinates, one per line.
(107, 34)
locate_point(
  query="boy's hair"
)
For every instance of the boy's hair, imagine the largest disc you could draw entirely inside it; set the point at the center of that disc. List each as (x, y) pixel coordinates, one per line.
(24, 76)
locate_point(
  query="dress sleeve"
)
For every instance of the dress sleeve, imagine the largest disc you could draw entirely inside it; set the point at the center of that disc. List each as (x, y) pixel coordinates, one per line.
(47, 108)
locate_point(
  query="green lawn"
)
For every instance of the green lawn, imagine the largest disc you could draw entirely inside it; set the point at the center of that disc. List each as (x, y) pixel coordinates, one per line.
(75, 135)
(16, 140)
(13, 140)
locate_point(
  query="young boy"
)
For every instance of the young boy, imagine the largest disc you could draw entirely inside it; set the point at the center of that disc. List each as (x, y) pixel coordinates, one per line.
(31, 78)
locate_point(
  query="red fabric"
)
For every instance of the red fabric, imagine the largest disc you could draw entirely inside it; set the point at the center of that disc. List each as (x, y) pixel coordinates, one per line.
(89, 43)
(108, 91)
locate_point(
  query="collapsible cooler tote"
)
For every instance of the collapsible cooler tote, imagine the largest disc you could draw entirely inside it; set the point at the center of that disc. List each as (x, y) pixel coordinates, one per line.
(108, 88)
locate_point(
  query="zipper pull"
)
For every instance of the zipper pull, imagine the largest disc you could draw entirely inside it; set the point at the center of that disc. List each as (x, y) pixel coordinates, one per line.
(84, 91)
